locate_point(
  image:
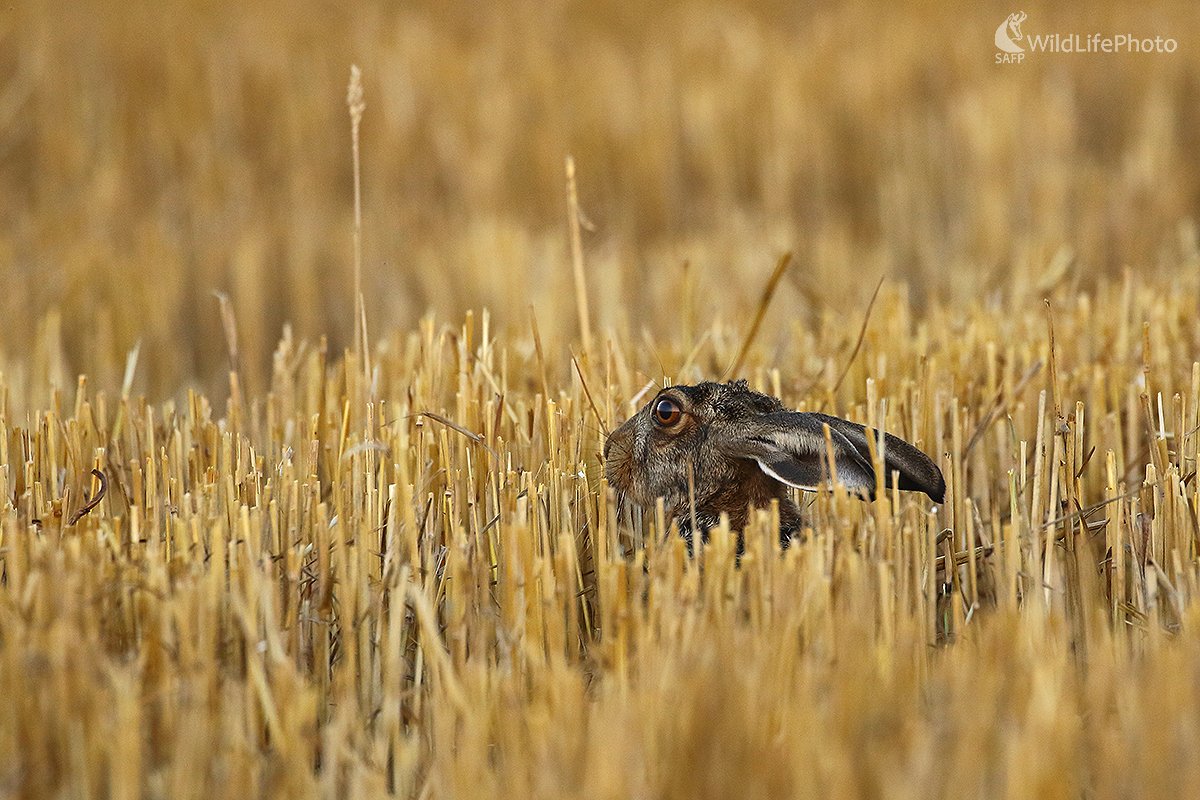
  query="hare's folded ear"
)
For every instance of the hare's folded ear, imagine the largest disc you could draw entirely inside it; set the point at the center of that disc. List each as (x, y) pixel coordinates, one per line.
(917, 471)
(790, 447)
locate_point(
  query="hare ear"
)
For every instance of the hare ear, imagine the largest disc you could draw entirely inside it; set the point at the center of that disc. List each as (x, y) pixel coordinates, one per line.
(917, 471)
(790, 447)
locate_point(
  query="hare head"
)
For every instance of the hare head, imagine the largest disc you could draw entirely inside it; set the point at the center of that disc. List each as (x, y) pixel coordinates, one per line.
(727, 449)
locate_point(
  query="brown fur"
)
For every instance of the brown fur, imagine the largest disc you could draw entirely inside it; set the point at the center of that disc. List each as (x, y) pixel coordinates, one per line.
(739, 444)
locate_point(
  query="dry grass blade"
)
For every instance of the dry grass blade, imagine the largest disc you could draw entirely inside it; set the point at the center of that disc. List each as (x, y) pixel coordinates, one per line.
(998, 406)
(581, 293)
(228, 323)
(862, 332)
(474, 437)
(588, 394)
(541, 359)
(356, 105)
(763, 303)
(94, 501)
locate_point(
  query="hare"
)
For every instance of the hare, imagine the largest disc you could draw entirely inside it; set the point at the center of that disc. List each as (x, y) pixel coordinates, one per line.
(745, 449)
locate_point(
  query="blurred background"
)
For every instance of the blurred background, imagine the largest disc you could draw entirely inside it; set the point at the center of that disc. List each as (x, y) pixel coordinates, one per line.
(152, 154)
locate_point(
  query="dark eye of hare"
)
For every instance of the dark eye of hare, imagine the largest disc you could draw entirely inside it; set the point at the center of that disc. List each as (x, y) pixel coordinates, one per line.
(667, 412)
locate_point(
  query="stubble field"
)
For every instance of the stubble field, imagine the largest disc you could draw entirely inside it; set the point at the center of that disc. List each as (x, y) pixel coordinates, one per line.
(246, 551)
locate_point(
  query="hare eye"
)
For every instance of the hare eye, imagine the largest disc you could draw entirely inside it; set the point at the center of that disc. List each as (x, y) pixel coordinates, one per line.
(667, 412)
